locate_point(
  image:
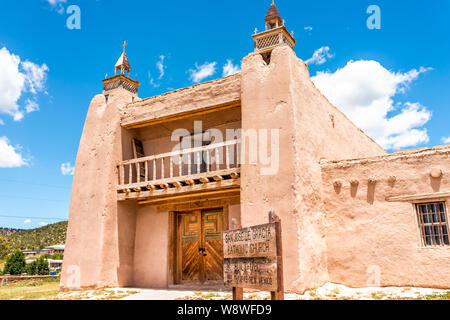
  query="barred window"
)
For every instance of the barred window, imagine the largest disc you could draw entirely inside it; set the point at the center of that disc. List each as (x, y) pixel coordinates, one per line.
(433, 224)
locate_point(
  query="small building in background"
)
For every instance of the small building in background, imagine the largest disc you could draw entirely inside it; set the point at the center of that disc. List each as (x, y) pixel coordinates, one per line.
(53, 249)
(29, 253)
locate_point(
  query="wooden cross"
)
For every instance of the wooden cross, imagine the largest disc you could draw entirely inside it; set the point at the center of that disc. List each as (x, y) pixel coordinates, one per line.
(124, 45)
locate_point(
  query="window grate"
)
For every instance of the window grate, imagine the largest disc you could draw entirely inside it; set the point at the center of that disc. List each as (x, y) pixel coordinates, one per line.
(433, 224)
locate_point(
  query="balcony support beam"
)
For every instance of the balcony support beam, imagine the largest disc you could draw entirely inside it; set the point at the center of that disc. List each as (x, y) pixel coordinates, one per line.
(200, 189)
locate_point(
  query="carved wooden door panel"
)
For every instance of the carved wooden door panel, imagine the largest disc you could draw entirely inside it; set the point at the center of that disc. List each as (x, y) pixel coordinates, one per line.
(200, 246)
(213, 244)
(189, 229)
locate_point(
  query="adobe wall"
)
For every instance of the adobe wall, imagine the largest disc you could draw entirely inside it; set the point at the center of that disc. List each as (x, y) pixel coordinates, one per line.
(197, 97)
(282, 96)
(366, 231)
(100, 231)
(151, 248)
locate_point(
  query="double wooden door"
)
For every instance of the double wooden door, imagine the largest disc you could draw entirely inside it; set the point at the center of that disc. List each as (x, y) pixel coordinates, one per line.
(200, 246)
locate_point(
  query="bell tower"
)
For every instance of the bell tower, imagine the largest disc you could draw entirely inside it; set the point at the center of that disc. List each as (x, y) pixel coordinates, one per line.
(275, 34)
(120, 80)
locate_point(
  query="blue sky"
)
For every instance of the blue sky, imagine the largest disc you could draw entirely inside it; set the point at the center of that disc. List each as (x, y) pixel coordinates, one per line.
(401, 71)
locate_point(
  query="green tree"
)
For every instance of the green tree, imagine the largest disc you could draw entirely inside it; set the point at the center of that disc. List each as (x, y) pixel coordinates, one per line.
(58, 256)
(32, 268)
(15, 264)
(42, 267)
(5, 248)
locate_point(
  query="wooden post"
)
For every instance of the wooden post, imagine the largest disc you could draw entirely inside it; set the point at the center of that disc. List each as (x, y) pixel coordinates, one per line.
(278, 295)
(122, 174)
(238, 293)
(146, 171)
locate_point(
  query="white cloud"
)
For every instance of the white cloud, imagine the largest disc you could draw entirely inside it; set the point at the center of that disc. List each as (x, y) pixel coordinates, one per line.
(320, 56)
(9, 155)
(445, 140)
(229, 68)
(57, 5)
(1, 122)
(43, 224)
(35, 76)
(17, 78)
(308, 28)
(364, 91)
(153, 82)
(67, 169)
(202, 72)
(160, 66)
(27, 221)
(31, 106)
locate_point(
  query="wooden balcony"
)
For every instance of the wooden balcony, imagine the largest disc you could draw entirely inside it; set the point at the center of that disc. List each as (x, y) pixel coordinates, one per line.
(205, 170)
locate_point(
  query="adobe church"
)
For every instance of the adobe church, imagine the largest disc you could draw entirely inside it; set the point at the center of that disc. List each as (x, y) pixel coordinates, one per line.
(148, 210)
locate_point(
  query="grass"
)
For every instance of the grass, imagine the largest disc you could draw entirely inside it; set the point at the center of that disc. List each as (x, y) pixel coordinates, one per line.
(30, 290)
(49, 290)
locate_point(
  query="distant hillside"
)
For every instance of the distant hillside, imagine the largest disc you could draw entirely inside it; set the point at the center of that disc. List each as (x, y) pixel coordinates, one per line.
(39, 238)
(7, 231)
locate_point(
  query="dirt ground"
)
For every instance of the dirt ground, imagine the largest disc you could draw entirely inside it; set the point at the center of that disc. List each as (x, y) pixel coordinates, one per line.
(49, 290)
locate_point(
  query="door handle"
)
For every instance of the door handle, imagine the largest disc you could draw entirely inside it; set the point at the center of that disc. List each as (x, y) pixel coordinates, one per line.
(202, 251)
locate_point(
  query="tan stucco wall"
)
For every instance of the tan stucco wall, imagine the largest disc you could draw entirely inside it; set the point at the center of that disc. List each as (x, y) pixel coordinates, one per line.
(194, 98)
(234, 212)
(97, 223)
(151, 249)
(364, 230)
(282, 96)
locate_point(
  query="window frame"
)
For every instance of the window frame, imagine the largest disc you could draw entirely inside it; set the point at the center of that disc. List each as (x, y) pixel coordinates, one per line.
(421, 225)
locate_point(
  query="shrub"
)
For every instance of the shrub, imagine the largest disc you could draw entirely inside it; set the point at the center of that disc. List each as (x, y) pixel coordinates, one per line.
(15, 264)
(31, 269)
(42, 267)
(58, 256)
(5, 248)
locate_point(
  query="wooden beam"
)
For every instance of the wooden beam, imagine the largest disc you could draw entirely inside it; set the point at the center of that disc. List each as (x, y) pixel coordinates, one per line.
(204, 180)
(234, 175)
(151, 121)
(218, 178)
(197, 188)
(177, 185)
(189, 179)
(419, 197)
(178, 197)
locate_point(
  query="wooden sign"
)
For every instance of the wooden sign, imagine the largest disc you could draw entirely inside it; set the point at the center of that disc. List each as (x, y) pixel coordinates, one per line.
(254, 242)
(253, 258)
(254, 273)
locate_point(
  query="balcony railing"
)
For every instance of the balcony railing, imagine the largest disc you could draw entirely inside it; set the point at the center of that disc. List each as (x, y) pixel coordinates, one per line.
(182, 168)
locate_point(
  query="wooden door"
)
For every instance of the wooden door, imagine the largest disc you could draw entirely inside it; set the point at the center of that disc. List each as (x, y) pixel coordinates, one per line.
(189, 243)
(213, 244)
(200, 246)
